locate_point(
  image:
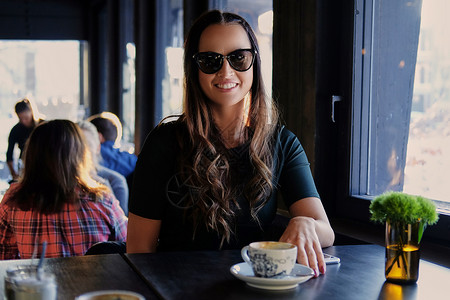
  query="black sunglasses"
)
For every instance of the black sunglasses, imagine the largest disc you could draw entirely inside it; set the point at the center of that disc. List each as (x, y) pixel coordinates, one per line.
(210, 62)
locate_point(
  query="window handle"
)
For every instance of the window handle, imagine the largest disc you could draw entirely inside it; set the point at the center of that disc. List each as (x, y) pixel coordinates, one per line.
(334, 99)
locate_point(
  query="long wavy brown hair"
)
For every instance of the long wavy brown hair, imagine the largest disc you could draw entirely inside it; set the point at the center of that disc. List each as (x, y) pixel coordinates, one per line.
(57, 166)
(203, 160)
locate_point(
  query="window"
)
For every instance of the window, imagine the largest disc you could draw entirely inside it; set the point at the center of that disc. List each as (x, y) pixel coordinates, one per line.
(172, 81)
(127, 56)
(385, 50)
(427, 168)
(399, 125)
(46, 72)
(401, 141)
(129, 91)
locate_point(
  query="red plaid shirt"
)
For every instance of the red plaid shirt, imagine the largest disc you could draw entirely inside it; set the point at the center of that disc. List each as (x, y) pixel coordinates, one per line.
(68, 233)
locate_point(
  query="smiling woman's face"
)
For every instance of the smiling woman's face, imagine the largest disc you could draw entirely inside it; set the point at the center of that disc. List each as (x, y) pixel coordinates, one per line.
(227, 87)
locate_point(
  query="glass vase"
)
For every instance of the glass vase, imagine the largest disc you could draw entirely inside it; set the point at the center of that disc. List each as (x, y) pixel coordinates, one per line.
(402, 252)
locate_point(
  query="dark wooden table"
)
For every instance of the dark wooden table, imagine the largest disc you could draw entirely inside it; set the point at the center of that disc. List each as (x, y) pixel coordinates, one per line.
(78, 275)
(360, 275)
(206, 275)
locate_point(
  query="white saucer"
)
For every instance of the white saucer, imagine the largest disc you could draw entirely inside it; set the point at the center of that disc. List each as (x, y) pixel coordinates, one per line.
(245, 273)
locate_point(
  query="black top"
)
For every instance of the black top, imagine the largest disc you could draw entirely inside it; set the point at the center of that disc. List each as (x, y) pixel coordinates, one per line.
(157, 189)
(18, 135)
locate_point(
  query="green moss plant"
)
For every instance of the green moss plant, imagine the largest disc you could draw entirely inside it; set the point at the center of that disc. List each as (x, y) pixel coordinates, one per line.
(401, 209)
(398, 207)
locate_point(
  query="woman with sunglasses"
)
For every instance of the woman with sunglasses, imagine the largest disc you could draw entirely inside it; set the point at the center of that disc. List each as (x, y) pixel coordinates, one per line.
(209, 180)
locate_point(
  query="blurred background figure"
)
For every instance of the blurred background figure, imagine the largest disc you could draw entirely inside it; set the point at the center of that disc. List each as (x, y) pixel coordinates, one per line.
(109, 130)
(19, 135)
(115, 180)
(57, 200)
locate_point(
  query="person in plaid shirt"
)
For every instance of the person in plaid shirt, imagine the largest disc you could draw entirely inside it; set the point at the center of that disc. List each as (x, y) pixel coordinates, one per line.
(57, 200)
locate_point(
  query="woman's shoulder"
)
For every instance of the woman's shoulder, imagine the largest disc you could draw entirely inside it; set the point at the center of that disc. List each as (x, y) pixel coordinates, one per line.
(9, 194)
(165, 135)
(287, 143)
(105, 206)
(104, 198)
(167, 129)
(9, 201)
(284, 135)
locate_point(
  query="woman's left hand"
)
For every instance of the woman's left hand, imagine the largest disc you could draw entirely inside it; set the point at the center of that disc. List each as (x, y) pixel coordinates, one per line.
(301, 232)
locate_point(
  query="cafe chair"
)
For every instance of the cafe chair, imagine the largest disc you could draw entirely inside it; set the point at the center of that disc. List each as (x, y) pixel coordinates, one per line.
(109, 247)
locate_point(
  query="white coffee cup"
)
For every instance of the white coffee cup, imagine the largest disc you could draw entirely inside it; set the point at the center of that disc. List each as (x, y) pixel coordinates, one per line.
(269, 259)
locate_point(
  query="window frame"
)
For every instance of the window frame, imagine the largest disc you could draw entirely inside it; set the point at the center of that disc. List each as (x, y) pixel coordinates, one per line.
(353, 198)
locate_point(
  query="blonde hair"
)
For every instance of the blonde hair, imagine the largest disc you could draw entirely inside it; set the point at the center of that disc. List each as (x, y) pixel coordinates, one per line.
(92, 140)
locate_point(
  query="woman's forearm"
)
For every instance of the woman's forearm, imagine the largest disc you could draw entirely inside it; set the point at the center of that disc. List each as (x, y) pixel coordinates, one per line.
(142, 234)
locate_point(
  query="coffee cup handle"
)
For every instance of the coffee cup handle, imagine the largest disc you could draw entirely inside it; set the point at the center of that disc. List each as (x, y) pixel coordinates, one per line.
(244, 254)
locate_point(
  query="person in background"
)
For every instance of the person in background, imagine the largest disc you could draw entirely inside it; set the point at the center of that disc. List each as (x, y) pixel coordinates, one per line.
(209, 180)
(116, 181)
(112, 158)
(20, 133)
(57, 200)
